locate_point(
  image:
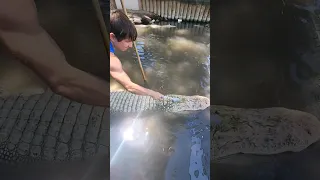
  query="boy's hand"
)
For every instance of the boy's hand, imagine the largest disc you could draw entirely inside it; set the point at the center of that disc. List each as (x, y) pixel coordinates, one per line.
(155, 95)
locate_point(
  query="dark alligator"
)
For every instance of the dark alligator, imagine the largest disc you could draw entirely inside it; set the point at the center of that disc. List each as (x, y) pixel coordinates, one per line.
(49, 127)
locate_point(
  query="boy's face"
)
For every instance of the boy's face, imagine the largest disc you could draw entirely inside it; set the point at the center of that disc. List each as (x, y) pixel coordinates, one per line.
(121, 45)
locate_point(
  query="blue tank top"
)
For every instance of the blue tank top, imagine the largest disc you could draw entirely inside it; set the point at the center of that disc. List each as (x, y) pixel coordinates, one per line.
(111, 48)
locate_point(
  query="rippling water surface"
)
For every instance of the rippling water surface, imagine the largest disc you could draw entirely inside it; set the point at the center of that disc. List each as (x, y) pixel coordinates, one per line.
(176, 60)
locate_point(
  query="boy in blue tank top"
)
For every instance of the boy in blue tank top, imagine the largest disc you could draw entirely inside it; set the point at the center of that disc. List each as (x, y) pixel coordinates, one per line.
(111, 48)
(122, 34)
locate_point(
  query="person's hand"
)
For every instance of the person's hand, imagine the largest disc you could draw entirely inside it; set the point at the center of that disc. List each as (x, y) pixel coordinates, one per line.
(156, 95)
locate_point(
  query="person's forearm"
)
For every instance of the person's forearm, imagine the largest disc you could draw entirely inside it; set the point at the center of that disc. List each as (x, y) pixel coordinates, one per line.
(137, 89)
(130, 86)
(84, 88)
(40, 53)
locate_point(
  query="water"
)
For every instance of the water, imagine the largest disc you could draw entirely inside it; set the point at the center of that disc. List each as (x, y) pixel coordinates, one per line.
(161, 146)
(176, 60)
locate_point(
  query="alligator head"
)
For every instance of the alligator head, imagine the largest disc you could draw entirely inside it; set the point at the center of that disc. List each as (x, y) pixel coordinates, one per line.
(180, 103)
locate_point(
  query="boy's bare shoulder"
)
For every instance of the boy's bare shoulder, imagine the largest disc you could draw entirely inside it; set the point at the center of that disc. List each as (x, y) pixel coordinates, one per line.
(115, 63)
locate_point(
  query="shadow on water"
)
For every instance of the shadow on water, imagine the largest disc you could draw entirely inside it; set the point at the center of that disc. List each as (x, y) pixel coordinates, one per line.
(175, 58)
(258, 50)
(160, 146)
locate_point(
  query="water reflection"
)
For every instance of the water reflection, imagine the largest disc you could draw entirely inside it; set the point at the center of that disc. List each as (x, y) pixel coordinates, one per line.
(160, 146)
(146, 153)
(175, 57)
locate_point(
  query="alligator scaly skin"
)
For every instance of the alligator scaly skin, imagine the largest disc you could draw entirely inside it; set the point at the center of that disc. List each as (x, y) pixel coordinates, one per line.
(49, 127)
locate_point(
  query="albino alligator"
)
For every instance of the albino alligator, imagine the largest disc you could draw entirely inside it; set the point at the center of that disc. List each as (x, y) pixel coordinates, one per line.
(47, 126)
(261, 131)
(272, 130)
(123, 101)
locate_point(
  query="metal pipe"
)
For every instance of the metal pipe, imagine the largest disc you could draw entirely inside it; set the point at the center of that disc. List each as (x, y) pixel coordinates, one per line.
(166, 11)
(174, 10)
(208, 15)
(201, 14)
(162, 8)
(189, 12)
(158, 7)
(147, 5)
(192, 12)
(151, 6)
(144, 5)
(177, 16)
(185, 11)
(170, 9)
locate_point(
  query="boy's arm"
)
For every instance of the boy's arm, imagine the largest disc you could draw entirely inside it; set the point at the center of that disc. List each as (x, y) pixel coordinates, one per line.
(24, 37)
(117, 72)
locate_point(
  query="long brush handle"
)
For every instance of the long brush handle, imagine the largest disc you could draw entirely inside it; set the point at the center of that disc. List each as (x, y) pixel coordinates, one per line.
(102, 24)
(135, 47)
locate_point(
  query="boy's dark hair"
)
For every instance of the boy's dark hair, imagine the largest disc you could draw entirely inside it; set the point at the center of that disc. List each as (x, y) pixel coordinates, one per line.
(121, 26)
